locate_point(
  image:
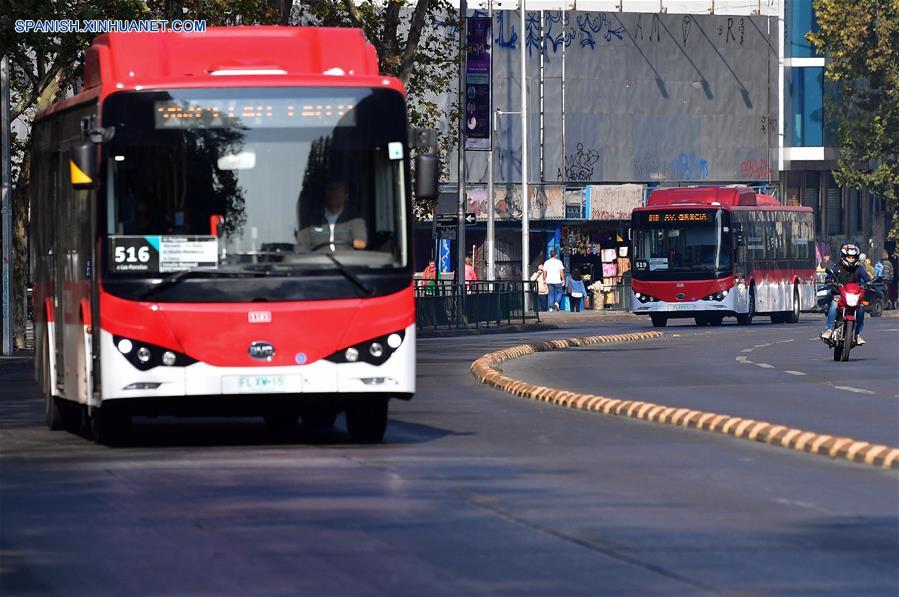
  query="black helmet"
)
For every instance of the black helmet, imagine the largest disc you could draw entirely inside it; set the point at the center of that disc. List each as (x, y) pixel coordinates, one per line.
(849, 256)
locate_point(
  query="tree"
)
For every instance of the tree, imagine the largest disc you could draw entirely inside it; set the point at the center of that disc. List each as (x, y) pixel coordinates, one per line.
(861, 43)
(416, 43)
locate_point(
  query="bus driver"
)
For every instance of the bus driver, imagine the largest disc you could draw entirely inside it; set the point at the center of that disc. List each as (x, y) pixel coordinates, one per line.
(336, 224)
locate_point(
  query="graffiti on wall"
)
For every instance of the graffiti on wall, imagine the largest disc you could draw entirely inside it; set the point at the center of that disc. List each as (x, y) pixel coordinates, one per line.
(685, 166)
(755, 169)
(545, 202)
(579, 165)
(587, 30)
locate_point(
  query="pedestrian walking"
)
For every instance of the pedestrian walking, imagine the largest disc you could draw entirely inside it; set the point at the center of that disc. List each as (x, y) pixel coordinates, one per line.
(555, 278)
(539, 277)
(576, 292)
(889, 279)
(470, 274)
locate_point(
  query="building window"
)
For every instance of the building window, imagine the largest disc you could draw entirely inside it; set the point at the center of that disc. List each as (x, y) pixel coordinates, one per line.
(807, 106)
(800, 20)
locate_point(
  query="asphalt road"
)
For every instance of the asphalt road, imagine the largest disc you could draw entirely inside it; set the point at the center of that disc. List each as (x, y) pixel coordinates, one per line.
(476, 491)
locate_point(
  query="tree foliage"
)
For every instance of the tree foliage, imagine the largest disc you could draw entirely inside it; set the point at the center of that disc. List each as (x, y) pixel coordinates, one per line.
(860, 40)
(416, 42)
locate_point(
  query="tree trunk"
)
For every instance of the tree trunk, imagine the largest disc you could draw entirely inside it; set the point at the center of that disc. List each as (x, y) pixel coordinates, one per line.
(21, 278)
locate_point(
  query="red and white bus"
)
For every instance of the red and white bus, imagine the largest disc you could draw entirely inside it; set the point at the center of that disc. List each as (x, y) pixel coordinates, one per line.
(221, 223)
(714, 252)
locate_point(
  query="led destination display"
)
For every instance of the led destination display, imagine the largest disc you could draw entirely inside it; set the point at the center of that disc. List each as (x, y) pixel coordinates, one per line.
(676, 217)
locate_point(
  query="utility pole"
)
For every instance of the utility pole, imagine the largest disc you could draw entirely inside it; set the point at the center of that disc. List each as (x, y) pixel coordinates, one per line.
(6, 208)
(460, 223)
(491, 208)
(525, 224)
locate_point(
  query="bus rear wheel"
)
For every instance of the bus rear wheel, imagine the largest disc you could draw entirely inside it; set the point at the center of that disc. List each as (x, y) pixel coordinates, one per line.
(366, 419)
(746, 318)
(793, 314)
(658, 320)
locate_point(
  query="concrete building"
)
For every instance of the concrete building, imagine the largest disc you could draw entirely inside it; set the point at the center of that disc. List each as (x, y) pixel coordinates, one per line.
(627, 95)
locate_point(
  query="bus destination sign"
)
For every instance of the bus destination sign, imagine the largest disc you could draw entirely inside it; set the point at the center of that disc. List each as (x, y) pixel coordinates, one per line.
(670, 217)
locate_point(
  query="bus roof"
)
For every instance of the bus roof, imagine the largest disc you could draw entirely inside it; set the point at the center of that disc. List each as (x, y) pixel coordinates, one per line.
(228, 56)
(731, 196)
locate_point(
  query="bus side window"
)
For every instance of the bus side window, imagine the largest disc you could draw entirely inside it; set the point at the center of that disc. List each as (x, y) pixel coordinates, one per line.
(739, 243)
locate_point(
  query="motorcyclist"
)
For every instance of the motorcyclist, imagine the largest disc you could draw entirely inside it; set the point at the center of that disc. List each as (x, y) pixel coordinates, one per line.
(847, 271)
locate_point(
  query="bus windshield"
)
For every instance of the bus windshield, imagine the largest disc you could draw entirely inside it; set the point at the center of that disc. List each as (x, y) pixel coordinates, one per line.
(276, 179)
(681, 245)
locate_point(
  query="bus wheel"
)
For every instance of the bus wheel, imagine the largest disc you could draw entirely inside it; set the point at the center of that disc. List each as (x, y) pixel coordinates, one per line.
(716, 319)
(793, 315)
(746, 318)
(701, 320)
(109, 424)
(366, 419)
(778, 318)
(658, 320)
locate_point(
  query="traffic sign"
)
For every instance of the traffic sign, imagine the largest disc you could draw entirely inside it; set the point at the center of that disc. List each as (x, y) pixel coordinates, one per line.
(452, 219)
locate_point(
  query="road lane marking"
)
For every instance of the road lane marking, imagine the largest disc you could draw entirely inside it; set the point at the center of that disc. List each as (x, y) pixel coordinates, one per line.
(852, 389)
(785, 341)
(765, 365)
(795, 372)
(486, 370)
(743, 360)
(747, 350)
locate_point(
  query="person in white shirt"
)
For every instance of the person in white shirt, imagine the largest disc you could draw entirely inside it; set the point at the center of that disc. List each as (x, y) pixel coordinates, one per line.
(337, 226)
(554, 271)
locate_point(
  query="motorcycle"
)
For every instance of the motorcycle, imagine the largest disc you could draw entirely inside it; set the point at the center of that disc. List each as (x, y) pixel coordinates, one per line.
(852, 297)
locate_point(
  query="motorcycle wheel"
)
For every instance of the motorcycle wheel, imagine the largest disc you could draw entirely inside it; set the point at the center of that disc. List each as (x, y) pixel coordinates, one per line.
(848, 337)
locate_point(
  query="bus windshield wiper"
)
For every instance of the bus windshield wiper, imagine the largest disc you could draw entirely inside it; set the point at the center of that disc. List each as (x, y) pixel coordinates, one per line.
(365, 288)
(174, 279)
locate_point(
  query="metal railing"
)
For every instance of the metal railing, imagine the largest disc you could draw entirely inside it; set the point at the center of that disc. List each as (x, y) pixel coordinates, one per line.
(442, 304)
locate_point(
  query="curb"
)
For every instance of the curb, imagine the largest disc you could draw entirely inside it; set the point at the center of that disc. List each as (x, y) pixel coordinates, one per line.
(485, 370)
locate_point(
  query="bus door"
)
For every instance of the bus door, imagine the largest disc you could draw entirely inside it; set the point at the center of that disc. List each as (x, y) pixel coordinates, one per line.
(56, 265)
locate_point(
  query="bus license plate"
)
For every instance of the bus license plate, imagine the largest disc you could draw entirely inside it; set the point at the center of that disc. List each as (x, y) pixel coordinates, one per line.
(683, 307)
(260, 383)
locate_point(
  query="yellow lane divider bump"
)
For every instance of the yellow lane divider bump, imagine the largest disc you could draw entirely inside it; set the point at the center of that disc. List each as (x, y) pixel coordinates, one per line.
(485, 369)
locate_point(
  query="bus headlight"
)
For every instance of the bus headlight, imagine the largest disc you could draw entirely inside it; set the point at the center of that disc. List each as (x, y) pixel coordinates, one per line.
(374, 351)
(145, 356)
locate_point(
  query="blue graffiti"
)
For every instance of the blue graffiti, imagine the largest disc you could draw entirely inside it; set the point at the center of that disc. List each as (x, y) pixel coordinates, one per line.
(502, 41)
(689, 166)
(595, 23)
(532, 22)
(558, 32)
(566, 36)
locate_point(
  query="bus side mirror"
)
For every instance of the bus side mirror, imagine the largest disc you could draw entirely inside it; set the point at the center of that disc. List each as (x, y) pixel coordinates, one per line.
(83, 165)
(426, 171)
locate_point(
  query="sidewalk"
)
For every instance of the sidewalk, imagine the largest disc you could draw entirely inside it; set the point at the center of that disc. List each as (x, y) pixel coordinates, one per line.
(561, 317)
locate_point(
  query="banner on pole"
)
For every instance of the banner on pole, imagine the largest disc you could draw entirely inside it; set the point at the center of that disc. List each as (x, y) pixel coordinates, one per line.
(477, 85)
